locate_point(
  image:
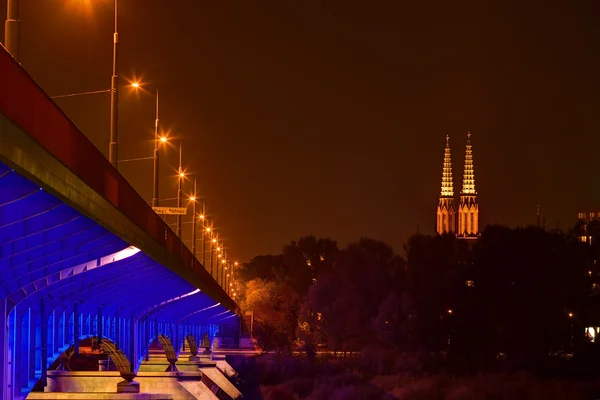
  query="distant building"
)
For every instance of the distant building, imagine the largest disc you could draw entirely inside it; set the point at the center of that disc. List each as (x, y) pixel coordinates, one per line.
(584, 220)
(466, 226)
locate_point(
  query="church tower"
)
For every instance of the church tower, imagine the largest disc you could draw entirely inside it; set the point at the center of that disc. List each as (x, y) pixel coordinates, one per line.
(468, 209)
(446, 213)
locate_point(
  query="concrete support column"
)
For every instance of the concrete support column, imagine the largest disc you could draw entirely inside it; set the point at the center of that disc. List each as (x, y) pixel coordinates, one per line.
(31, 347)
(132, 341)
(63, 329)
(44, 342)
(55, 333)
(100, 324)
(147, 338)
(4, 359)
(76, 334)
(176, 339)
(116, 330)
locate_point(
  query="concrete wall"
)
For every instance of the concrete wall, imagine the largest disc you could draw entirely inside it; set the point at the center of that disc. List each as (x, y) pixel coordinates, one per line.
(106, 382)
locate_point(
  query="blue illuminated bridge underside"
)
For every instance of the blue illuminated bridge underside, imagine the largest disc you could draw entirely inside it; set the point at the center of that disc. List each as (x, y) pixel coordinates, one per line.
(81, 253)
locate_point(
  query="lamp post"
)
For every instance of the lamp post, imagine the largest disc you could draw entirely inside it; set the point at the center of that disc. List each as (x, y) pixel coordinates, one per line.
(157, 141)
(217, 260)
(11, 42)
(113, 148)
(203, 217)
(223, 272)
(214, 241)
(11, 28)
(193, 199)
(181, 175)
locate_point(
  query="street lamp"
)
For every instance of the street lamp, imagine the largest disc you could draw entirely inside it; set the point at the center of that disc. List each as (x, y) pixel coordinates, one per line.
(193, 199)
(11, 28)
(181, 176)
(113, 149)
(11, 42)
(204, 230)
(214, 241)
(163, 139)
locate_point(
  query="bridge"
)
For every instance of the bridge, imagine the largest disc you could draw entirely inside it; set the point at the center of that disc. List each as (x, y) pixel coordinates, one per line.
(81, 253)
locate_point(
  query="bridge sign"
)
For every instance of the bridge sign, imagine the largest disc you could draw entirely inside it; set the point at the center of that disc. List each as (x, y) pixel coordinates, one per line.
(170, 210)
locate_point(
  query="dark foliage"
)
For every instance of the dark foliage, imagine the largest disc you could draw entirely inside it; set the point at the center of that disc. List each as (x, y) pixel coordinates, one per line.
(515, 299)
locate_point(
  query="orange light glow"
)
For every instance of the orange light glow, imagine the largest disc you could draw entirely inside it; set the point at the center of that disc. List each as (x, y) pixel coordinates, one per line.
(214, 240)
(135, 85)
(192, 198)
(163, 139)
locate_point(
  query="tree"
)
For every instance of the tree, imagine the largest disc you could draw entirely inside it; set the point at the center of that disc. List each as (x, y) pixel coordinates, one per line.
(275, 306)
(349, 294)
(306, 259)
(267, 267)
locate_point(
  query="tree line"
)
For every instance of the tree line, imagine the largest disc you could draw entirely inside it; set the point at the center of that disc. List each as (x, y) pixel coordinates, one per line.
(514, 298)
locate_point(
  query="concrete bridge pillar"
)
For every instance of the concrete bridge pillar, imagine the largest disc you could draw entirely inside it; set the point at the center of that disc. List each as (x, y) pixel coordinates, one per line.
(44, 342)
(55, 332)
(4, 359)
(116, 331)
(32, 330)
(146, 338)
(131, 340)
(76, 334)
(100, 324)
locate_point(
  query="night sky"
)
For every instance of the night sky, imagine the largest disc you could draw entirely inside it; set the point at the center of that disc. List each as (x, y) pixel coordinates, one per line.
(329, 118)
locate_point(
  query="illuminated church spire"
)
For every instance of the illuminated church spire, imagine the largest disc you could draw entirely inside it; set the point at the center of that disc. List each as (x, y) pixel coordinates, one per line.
(469, 175)
(447, 184)
(446, 213)
(468, 208)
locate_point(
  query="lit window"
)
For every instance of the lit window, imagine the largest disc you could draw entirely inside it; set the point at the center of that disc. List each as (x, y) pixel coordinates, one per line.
(590, 333)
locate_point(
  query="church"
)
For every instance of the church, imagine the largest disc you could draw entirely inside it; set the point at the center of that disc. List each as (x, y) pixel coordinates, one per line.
(464, 220)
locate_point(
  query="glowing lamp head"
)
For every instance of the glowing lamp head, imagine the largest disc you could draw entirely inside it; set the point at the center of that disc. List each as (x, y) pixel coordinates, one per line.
(235, 263)
(214, 240)
(449, 311)
(135, 85)
(181, 175)
(207, 229)
(224, 262)
(218, 248)
(192, 198)
(201, 217)
(570, 315)
(163, 139)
